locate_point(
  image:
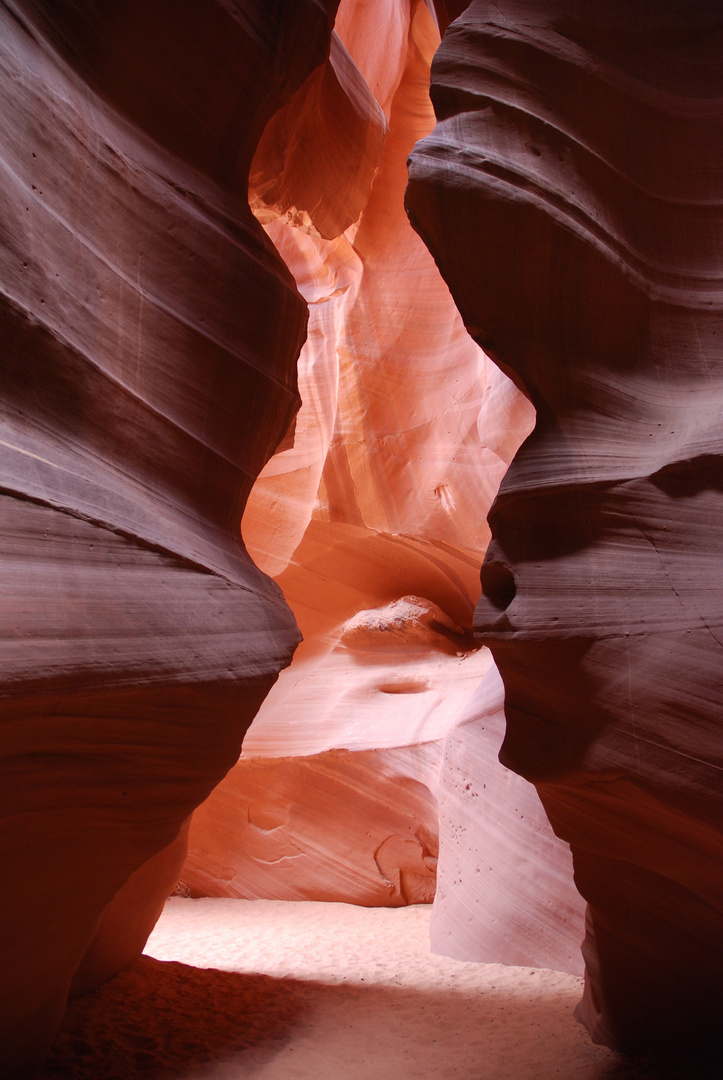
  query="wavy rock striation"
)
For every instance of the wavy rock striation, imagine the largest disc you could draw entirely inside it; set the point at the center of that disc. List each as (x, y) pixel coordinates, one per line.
(571, 195)
(361, 519)
(149, 338)
(370, 523)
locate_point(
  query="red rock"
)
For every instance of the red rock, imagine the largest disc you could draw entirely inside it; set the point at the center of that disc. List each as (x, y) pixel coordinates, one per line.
(150, 333)
(149, 339)
(331, 826)
(571, 196)
(317, 156)
(370, 523)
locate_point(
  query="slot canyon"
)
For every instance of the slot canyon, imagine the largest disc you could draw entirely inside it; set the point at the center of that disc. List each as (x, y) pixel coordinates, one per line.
(361, 491)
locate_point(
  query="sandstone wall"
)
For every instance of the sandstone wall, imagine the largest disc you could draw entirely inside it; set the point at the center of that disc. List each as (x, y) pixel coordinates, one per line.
(373, 522)
(149, 335)
(571, 195)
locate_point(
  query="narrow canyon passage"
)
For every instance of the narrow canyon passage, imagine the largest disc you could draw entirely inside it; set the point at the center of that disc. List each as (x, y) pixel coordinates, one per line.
(307, 313)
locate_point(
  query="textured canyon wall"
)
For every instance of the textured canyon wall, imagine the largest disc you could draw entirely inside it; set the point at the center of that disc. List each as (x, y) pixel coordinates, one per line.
(571, 195)
(373, 523)
(149, 339)
(362, 519)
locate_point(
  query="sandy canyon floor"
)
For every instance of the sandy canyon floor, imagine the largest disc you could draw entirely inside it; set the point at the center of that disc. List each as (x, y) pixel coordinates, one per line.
(231, 989)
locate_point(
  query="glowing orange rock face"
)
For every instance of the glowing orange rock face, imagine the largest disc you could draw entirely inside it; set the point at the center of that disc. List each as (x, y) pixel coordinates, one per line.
(373, 523)
(570, 194)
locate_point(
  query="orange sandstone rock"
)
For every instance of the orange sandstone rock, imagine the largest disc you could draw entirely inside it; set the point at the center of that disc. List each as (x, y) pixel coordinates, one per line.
(369, 520)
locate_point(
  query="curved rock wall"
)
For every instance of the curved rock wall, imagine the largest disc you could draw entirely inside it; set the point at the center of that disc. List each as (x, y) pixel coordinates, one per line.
(371, 524)
(362, 520)
(571, 195)
(149, 338)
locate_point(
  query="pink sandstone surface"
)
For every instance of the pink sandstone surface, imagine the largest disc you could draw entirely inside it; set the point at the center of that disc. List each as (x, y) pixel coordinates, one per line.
(370, 522)
(571, 195)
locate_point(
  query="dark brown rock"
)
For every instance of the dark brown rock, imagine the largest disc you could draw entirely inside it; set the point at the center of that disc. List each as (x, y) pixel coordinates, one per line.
(148, 341)
(571, 195)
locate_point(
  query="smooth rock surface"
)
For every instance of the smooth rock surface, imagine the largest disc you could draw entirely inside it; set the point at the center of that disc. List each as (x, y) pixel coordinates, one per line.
(505, 886)
(149, 335)
(571, 195)
(361, 824)
(371, 524)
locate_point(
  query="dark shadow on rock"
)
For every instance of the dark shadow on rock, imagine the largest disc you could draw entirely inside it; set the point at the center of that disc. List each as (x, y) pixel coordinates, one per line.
(158, 1019)
(664, 1068)
(169, 1021)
